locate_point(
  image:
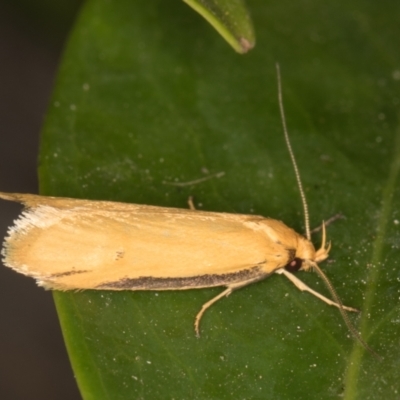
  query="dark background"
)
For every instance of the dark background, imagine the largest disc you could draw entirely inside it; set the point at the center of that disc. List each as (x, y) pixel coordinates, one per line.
(33, 360)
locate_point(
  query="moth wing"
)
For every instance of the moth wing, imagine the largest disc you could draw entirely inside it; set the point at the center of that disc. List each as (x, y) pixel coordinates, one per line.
(94, 244)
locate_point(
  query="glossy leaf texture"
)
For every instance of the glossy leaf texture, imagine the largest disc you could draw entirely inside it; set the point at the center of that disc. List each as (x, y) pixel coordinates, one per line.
(148, 94)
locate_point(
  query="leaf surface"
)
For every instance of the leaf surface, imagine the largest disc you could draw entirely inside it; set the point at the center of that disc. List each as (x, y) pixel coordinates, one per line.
(147, 94)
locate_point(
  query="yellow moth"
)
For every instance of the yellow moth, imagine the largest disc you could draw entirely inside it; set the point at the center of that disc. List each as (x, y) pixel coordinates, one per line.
(72, 244)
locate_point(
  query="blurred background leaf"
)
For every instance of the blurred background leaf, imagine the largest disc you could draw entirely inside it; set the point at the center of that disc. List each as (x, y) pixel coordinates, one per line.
(147, 93)
(230, 18)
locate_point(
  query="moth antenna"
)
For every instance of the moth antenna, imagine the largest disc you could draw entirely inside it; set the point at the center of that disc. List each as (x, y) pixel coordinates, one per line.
(346, 318)
(289, 147)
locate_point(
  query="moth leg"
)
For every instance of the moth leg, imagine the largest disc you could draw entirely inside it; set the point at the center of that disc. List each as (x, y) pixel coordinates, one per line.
(209, 303)
(328, 222)
(225, 293)
(191, 204)
(303, 287)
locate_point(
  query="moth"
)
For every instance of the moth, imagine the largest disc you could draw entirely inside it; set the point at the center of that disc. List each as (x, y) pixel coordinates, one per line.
(73, 244)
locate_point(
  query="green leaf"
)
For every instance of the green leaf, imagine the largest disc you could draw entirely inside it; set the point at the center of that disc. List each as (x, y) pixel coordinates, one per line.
(146, 94)
(230, 18)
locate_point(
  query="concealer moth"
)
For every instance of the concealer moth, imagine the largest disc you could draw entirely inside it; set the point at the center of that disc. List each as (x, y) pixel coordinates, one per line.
(73, 244)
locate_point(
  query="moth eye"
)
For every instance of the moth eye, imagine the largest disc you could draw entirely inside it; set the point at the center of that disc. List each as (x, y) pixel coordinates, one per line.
(294, 265)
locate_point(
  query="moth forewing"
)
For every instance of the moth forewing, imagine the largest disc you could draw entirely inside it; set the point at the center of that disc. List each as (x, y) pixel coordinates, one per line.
(68, 244)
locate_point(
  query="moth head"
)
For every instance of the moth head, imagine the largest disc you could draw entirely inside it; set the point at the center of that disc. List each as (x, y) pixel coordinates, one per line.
(306, 257)
(301, 256)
